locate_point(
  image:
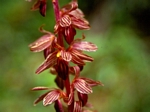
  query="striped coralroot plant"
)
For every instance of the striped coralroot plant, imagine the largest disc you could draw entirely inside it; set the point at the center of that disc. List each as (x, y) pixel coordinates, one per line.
(64, 56)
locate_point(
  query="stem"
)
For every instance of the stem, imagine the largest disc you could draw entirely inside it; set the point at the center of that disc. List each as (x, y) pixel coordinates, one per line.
(67, 85)
(60, 42)
(57, 17)
(56, 10)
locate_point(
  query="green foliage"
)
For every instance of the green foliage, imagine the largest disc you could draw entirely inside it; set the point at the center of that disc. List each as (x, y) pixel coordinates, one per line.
(122, 64)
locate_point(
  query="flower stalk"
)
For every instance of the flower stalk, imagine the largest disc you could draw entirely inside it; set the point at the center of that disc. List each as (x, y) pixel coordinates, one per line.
(58, 58)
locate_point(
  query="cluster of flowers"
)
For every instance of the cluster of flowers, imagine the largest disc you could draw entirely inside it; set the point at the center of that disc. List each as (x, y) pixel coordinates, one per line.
(64, 57)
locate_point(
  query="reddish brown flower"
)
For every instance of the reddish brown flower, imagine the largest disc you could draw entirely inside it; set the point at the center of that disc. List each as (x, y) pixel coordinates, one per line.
(41, 5)
(83, 87)
(49, 97)
(83, 98)
(61, 57)
(58, 106)
(44, 42)
(77, 106)
(70, 18)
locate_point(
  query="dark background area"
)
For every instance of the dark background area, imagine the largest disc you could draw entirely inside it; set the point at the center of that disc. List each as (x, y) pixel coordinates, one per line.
(121, 30)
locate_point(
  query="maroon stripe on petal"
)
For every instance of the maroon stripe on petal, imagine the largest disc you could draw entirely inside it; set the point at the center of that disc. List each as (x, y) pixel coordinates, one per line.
(42, 43)
(65, 21)
(66, 55)
(40, 98)
(50, 61)
(82, 56)
(92, 82)
(84, 46)
(81, 24)
(51, 97)
(82, 87)
(77, 60)
(77, 106)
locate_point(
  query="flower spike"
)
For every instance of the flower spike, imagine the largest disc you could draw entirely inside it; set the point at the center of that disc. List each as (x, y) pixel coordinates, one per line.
(64, 56)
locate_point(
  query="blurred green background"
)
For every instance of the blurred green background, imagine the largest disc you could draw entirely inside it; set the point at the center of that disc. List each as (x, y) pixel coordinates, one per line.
(121, 30)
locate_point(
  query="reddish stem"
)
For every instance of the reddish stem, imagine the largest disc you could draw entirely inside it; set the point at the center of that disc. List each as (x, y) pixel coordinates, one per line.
(57, 17)
(60, 42)
(56, 10)
(67, 85)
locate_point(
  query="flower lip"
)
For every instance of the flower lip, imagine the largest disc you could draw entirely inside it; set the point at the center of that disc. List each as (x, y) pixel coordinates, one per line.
(65, 21)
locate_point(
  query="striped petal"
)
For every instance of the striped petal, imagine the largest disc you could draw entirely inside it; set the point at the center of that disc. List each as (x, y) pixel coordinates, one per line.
(40, 98)
(50, 61)
(82, 87)
(66, 55)
(51, 97)
(65, 21)
(42, 43)
(84, 46)
(71, 96)
(70, 7)
(82, 56)
(77, 13)
(81, 24)
(77, 60)
(77, 106)
(92, 82)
